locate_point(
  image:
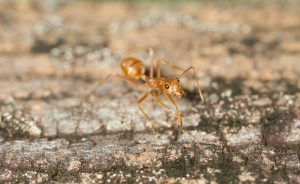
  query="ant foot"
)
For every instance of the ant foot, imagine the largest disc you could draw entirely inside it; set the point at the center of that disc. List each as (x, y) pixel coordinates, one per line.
(181, 131)
(154, 132)
(181, 127)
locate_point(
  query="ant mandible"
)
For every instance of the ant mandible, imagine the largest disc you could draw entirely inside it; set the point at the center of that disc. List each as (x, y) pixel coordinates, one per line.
(134, 70)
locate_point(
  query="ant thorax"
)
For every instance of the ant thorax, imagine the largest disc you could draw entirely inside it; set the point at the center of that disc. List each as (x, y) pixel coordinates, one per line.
(156, 83)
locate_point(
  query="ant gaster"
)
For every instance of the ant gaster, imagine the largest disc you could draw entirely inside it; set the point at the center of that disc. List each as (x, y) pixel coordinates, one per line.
(134, 70)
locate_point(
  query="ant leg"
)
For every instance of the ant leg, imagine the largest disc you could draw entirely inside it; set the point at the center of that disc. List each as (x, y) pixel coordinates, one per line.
(157, 62)
(120, 77)
(158, 68)
(105, 79)
(177, 109)
(160, 102)
(151, 61)
(156, 99)
(138, 102)
(133, 82)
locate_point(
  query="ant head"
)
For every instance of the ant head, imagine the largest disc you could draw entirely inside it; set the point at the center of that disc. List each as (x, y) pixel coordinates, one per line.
(173, 87)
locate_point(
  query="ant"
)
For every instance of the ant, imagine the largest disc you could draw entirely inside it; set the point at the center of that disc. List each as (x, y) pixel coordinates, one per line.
(134, 71)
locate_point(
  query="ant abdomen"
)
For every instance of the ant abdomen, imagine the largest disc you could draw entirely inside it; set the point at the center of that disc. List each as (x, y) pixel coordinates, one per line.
(133, 68)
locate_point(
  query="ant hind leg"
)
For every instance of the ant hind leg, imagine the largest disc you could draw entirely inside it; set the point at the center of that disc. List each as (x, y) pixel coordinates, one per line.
(101, 82)
(117, 76)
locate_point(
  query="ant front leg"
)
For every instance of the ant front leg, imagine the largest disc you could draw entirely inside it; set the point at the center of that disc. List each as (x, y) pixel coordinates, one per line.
(177, 110)
(156, 99)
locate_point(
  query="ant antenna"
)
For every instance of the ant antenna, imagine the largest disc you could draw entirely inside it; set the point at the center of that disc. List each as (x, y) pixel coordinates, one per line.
(197, 81)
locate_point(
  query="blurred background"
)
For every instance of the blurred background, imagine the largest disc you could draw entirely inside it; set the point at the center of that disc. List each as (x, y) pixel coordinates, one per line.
(53, 51)
(221, 38)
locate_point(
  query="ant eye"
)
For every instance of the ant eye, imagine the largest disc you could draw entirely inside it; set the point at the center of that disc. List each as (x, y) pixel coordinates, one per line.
(178, 80)
(166, 86)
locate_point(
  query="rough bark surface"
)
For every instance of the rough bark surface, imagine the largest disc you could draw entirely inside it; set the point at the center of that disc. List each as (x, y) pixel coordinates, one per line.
(53, 52)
